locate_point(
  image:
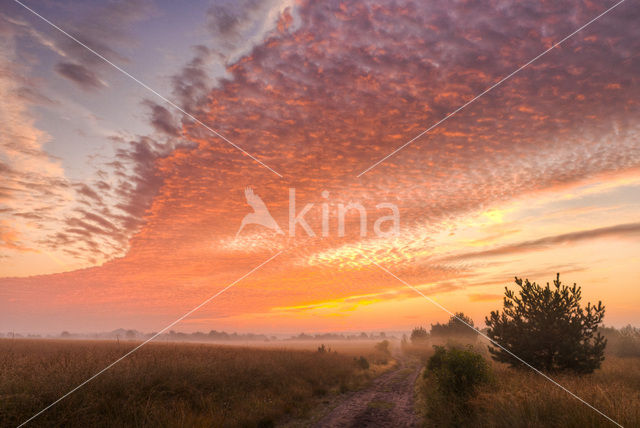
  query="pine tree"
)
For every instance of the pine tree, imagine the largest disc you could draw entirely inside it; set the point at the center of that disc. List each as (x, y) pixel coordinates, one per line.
(547, 328)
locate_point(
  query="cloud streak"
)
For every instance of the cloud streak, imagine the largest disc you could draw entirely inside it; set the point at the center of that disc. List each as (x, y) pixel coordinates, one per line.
(622, 231)
(81, 75)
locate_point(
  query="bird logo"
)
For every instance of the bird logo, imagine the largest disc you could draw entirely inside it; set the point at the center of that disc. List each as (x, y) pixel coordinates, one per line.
(260, 214)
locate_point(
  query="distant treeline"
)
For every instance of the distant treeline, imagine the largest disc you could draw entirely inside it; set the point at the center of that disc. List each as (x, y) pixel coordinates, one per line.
(213, 335)
(623, 342)
(340, 336)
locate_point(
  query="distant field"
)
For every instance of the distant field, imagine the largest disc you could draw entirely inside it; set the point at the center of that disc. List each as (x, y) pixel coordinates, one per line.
(172, 384)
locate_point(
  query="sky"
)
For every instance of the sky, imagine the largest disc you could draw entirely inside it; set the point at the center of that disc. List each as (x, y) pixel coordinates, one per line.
(123, 176)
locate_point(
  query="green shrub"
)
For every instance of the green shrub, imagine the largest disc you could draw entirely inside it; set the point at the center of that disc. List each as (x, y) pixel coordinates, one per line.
(457, 372)
(450, 383)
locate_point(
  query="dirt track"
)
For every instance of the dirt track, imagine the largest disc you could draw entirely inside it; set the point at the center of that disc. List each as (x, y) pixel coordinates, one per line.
(388, 402)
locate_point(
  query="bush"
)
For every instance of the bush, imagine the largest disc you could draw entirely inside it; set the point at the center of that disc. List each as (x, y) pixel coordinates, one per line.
(548, 329)
(457, 372)
(455, 329)
(450, 384)
(383, 347)
(419, 335)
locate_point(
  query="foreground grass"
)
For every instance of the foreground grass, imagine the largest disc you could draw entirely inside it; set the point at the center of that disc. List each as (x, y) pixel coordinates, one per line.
(526, 399)
(166, 384)
(522, 398)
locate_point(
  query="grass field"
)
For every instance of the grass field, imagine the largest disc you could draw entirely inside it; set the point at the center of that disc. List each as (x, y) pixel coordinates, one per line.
(172, 384)
(523, 398)
(198, 385)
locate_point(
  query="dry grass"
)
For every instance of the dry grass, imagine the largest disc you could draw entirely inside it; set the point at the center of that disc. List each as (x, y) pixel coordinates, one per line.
(166, 384)
(522, 398)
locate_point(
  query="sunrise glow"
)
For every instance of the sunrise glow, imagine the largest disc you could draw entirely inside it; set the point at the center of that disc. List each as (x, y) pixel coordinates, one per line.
(119, 211)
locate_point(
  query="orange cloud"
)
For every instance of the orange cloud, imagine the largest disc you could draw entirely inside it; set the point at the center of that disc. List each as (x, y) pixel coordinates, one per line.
(320, 100)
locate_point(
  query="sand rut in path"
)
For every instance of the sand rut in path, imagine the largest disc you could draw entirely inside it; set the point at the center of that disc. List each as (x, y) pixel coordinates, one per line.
(387, 402)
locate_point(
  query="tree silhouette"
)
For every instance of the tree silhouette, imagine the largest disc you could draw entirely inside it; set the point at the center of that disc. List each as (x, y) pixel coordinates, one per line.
(547, 328)
(419, 335)
(455, 328)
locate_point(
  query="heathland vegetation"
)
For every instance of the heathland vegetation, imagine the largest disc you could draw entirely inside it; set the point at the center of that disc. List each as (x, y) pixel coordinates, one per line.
(468, 380)
(173, 384)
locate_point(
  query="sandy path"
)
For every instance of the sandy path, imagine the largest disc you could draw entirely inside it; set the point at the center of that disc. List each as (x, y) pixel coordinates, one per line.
(388, 402)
